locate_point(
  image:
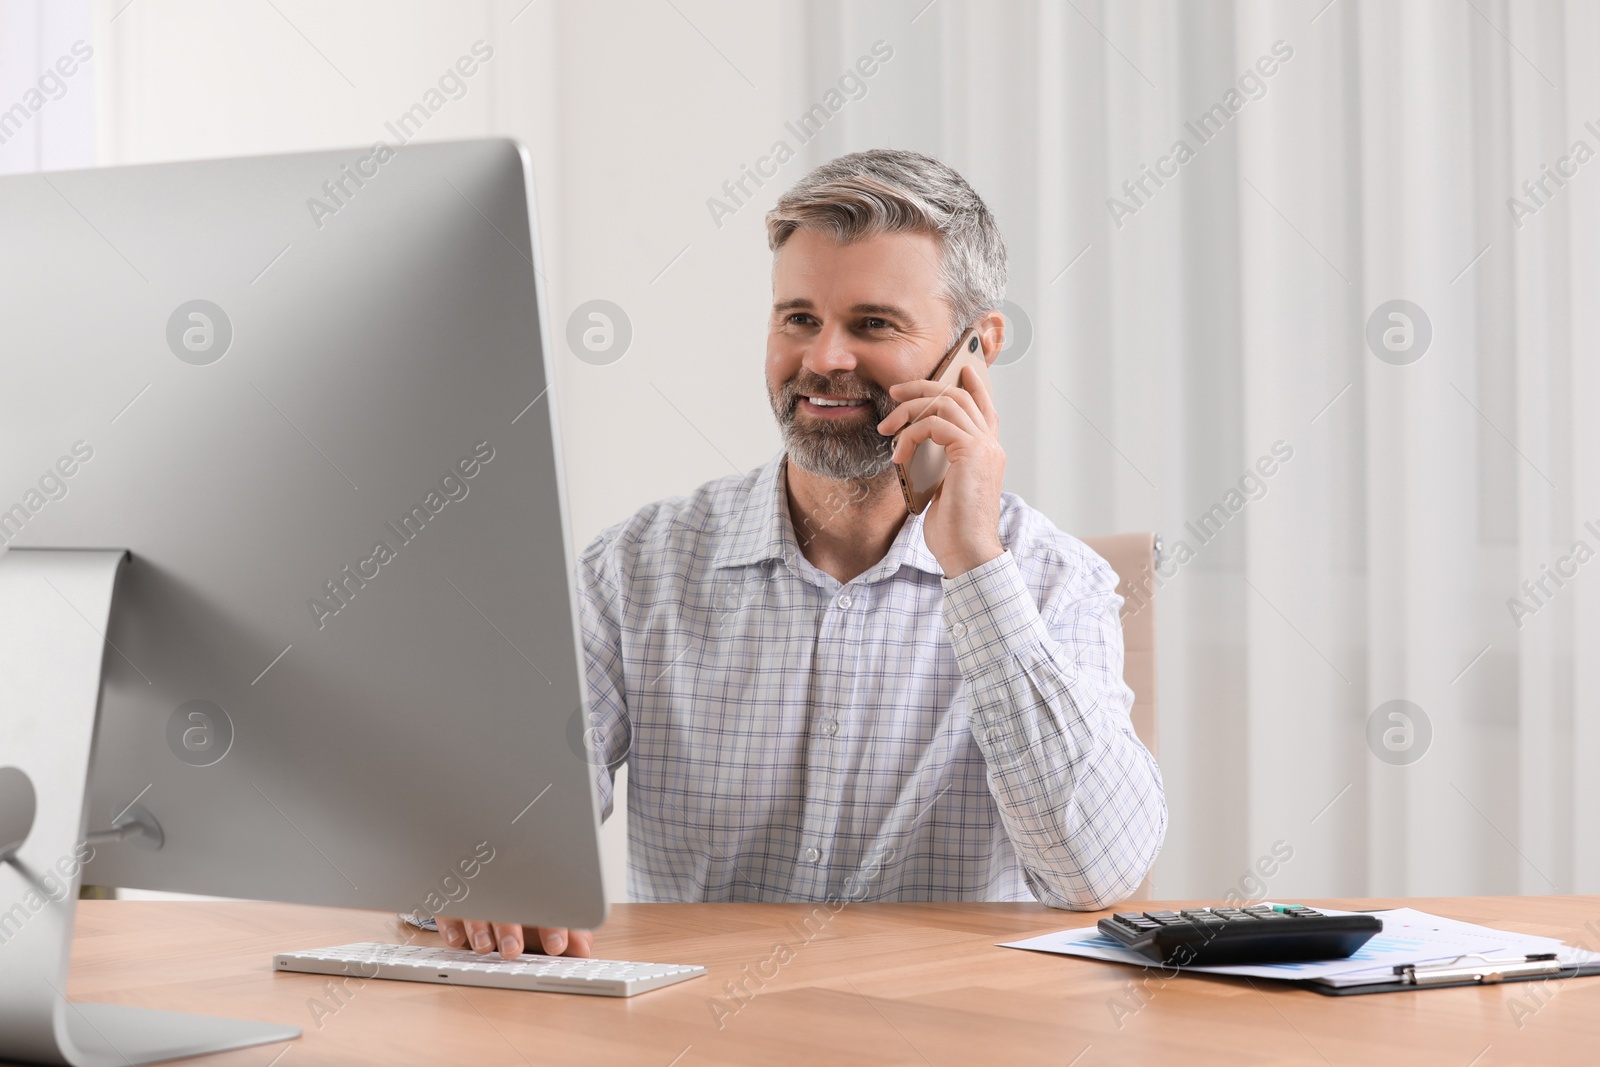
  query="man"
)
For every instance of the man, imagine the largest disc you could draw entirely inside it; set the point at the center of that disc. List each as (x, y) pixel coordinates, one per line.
(824, 698)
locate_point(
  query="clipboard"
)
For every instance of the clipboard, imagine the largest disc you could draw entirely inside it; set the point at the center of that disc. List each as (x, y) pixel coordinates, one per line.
(1485, 971)
(1462, 954)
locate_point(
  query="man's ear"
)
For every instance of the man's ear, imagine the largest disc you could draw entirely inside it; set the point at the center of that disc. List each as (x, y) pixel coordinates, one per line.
(992, 331)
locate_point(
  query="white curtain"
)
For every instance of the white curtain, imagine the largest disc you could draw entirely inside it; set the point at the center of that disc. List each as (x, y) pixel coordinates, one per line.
(1340, 156)
(1177, 339)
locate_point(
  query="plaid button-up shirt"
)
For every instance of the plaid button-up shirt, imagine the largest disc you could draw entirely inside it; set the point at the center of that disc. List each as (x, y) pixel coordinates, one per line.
(901, 736)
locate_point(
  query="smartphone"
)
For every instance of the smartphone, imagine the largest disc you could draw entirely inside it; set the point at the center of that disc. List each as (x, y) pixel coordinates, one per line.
(920, 478)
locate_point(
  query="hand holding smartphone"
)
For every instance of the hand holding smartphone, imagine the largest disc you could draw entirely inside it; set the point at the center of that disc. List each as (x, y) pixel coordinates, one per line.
(920, 478)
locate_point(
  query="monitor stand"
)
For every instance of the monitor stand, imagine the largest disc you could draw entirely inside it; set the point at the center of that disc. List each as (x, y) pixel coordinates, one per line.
(55, 606)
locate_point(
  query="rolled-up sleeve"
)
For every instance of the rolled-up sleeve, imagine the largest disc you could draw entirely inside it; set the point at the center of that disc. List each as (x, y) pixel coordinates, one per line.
(1079, 795)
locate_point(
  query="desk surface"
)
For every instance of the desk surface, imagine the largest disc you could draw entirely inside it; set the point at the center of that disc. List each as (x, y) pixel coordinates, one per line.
(872, 984)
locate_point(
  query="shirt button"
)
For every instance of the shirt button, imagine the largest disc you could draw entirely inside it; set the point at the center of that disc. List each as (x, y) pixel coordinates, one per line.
(812, 855)
(958, 629)
(845, 601)
(830, 727)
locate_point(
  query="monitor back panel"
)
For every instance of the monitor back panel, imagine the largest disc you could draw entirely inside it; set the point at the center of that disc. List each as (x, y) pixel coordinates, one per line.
(310, 394)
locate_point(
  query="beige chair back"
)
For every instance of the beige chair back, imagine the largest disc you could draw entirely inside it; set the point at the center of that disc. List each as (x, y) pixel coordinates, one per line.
(1133, 557)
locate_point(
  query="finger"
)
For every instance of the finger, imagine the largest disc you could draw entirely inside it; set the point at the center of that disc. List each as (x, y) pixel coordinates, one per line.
(922, 398)
(970, 390)
(968, 399)
(937, 429)
(509, 937)
(978, 387)
(958, 408)
(933, 428)
(920, 388)
(554, 940)
(451, 930)
(954, 405)
(479, 937)
(581, 943)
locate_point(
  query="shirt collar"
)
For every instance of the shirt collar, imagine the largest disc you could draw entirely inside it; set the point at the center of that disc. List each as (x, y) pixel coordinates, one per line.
(760, 529)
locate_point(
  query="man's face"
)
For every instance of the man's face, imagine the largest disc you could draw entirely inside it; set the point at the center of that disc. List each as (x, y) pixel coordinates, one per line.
(849, 321)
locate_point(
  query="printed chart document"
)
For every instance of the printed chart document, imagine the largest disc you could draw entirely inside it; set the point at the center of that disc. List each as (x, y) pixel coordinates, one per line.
(1409, 936)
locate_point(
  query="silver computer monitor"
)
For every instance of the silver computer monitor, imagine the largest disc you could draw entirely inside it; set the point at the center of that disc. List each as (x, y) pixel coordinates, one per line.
(310, 396)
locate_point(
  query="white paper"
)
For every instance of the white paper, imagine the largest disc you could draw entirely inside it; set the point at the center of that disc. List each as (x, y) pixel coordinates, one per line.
(1408, 936)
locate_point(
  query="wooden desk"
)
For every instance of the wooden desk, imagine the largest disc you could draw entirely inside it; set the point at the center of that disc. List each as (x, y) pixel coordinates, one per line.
(874, 984)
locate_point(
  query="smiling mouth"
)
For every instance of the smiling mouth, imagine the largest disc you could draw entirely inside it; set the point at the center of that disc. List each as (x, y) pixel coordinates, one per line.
(836, 403)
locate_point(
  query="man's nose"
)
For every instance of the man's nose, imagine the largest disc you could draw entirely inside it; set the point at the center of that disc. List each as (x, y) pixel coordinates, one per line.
(830, 351)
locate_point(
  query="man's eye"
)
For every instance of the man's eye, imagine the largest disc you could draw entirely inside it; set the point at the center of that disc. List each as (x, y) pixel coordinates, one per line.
(875, 324)
(800, 318)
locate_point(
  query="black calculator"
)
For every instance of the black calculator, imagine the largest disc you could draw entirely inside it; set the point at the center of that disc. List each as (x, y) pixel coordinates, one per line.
(1261, 933)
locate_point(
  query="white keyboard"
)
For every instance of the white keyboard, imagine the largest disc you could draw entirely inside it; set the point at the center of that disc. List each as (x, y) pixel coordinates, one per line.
(457, 966)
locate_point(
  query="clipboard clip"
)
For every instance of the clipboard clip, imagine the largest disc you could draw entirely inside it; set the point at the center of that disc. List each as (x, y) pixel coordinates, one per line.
(1485, 972)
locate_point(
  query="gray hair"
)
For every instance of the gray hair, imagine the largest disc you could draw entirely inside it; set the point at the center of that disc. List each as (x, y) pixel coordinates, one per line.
(887, 190)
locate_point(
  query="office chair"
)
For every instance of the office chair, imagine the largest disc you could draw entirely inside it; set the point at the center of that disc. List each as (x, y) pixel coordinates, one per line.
(1134, 556)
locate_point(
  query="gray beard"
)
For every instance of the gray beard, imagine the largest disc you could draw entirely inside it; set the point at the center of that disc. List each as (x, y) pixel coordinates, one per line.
(844, 453)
